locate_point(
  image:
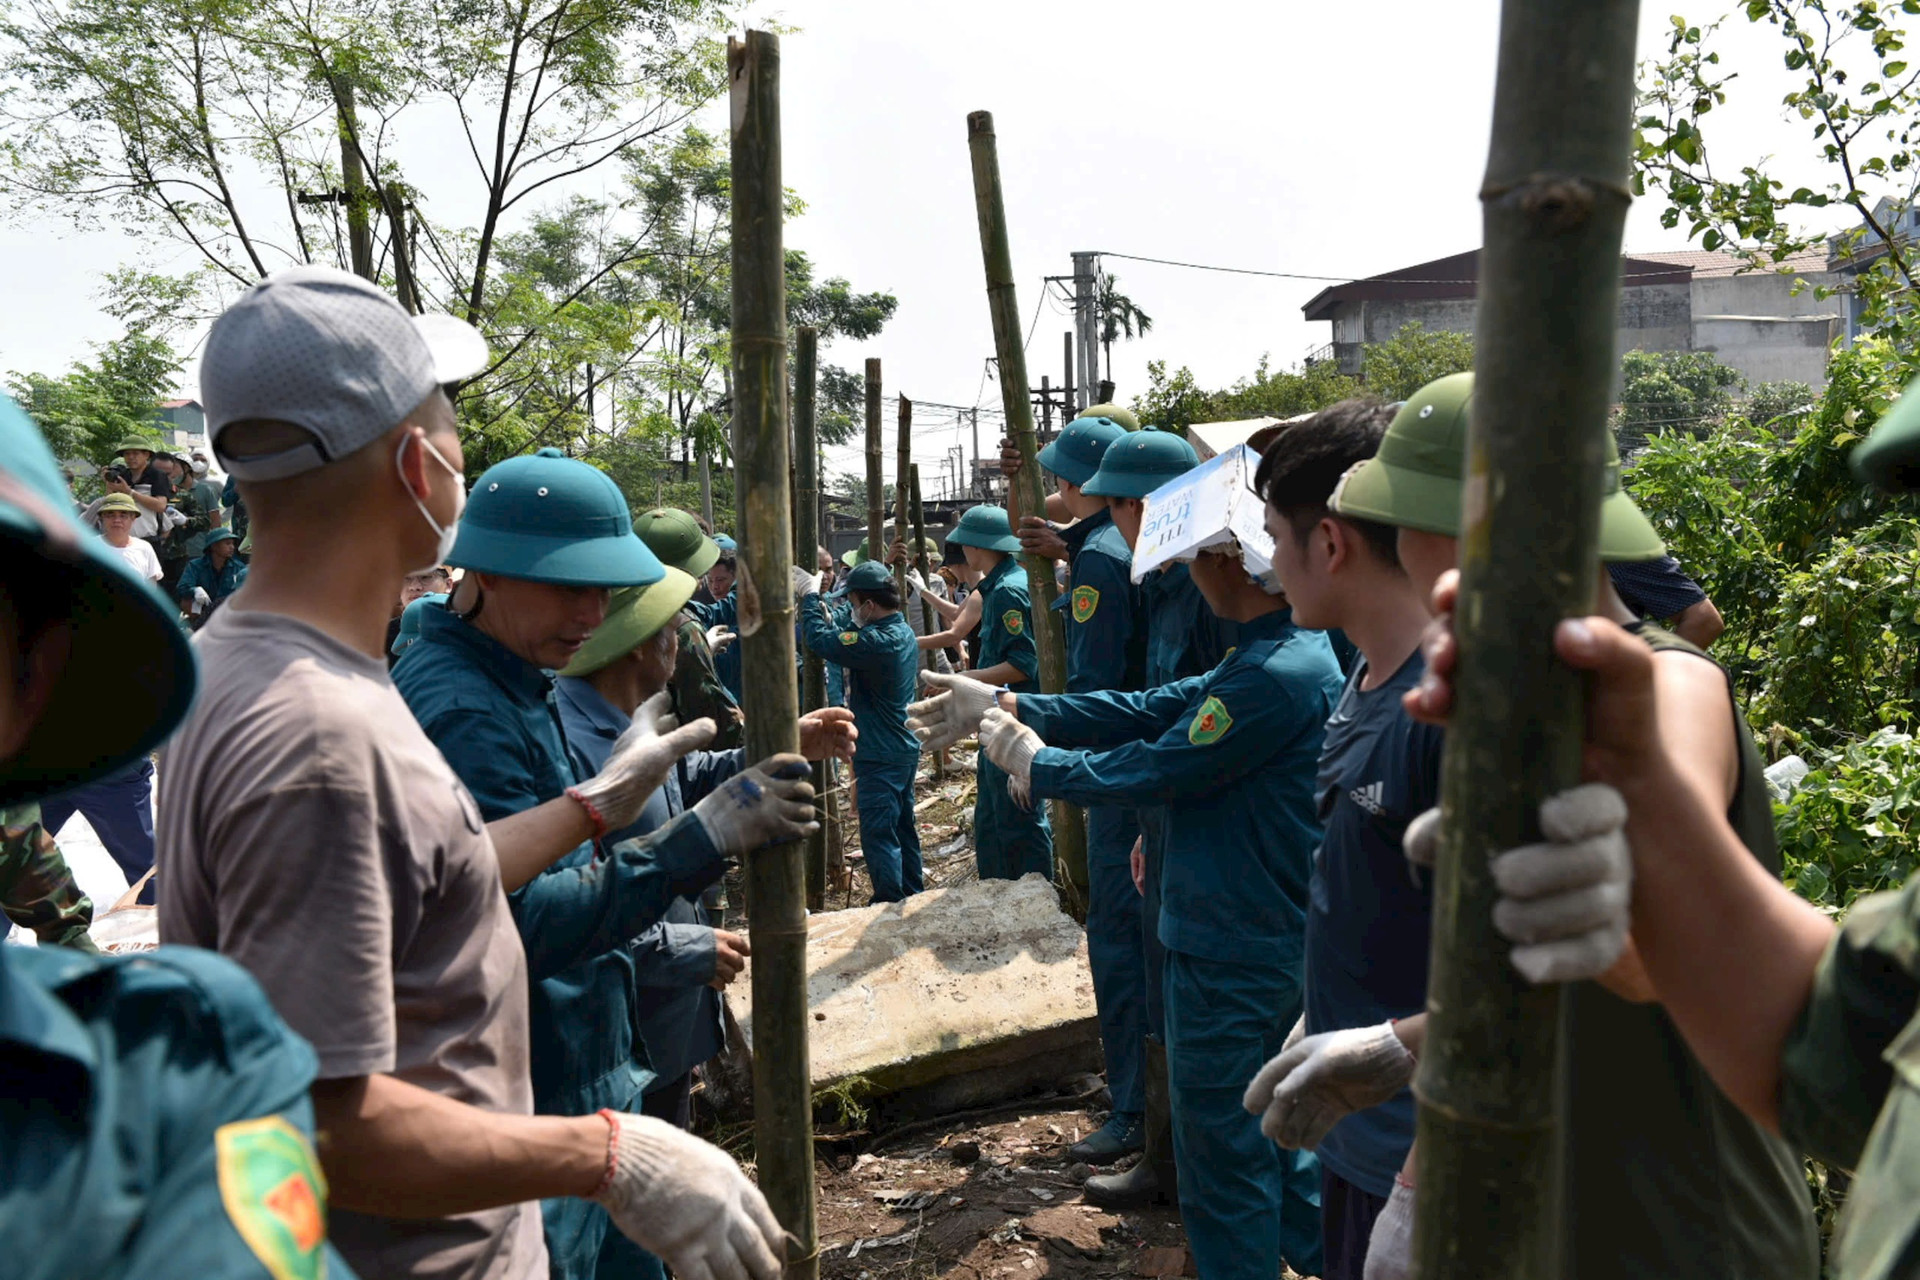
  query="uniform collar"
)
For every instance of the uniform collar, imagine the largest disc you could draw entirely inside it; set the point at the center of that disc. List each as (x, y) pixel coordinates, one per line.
(508, 669)
(592, 705)
(998, 572)
(1268, 626)
(1076, 534)
(30, 1015)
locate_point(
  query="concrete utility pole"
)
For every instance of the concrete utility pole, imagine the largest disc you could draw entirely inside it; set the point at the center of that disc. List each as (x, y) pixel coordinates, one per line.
(1553, 203)
(973, 481)
(1086, 327)
(776, 876)
(353, 176)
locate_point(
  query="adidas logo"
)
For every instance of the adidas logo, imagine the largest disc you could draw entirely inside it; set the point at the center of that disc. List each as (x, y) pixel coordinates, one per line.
(1370, 798)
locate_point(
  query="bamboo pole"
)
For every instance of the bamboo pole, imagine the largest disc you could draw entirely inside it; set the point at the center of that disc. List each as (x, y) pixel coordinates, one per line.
(1554, 202)
(806, 522)
(903, 463)
(1049, 637)
(926, 575)
(876, 490)
(776, 877)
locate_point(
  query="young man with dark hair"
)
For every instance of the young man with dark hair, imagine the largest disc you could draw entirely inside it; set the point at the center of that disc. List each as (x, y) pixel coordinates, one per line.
(1367, 920)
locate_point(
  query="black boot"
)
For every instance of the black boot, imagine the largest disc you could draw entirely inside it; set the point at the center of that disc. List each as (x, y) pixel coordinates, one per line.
(1152, 1180)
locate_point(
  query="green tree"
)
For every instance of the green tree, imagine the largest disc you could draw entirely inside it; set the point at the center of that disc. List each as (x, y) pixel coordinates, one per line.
(1858, 100)
(1688, 391)
(1118, 315)
(1413, 357)
(86, 411)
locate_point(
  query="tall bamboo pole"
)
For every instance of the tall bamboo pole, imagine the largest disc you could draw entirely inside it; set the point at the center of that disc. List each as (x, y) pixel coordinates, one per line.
(806, 523)
(1069, 823)
(926, 575)
(1554, 202)
(903, 462)
(776, 877)
(876, 490)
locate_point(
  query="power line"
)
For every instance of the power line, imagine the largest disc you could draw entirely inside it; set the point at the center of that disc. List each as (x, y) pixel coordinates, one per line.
(1320, 279)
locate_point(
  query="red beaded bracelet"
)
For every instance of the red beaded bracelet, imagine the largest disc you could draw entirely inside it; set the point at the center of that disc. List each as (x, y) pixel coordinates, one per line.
(593, 812)
(613, 1149)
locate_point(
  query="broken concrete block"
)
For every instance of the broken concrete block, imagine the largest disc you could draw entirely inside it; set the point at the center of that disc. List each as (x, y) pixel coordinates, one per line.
(959, 996)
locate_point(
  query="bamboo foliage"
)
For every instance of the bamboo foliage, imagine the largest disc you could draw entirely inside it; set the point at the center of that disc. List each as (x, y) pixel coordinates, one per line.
(1554, 201)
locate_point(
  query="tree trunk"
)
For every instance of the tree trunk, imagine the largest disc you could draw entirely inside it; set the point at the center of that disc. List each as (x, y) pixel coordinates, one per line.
(1049, 637)
(1554, 199)
(776, 877)
(806, 520)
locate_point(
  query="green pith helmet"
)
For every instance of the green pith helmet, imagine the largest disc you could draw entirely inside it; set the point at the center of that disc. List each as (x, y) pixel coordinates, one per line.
(868, 575)
(135, 442)
(1122, 416)
(987, 528)
(1136, 465)
(550, 518)
(410, 621)
(122, 634)
(675, 537)
(117, 502)
(634, 616)
(1889, 457)
(1074, 455)
(1415, 481)
(859, 554)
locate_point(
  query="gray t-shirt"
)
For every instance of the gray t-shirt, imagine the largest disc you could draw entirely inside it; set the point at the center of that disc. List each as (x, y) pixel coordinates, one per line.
(310, 831)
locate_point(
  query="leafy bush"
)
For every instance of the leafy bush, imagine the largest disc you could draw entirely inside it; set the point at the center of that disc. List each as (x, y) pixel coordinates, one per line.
(1853, 826)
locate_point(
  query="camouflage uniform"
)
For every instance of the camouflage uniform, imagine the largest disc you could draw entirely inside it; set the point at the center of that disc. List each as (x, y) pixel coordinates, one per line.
(696, 689)
(37, 891)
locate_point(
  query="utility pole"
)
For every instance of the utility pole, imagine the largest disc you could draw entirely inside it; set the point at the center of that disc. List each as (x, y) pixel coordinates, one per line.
(1553, 203)
(353, 173)
(1086, 302)
(776, 876)
(1067, 391)
(806, 523)
(1049, 635)
(973, 481)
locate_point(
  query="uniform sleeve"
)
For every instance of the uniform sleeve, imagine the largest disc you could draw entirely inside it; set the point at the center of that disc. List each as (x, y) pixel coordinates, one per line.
(1834, 1073)
(857, 649)
(1016, 647)
(674, 955)
(1230, 730)
(489, 757)
(194, 575)
(571, 913)
(1109, 718)
(329, 971)
(37, 889)
(1101, 616)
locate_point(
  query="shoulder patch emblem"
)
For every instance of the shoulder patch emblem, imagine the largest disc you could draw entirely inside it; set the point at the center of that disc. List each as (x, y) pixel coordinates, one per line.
(1085, 601)
(275, 1195)
(849, 637)
(1210, 723)
(1013, 622)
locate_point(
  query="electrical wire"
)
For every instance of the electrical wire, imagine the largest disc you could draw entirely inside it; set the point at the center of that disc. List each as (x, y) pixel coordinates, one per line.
(1320, 279)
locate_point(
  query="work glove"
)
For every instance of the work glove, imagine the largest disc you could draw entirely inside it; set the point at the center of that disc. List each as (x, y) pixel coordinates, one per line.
(1309, 1088)
(201, 600)
(174, 517)
(767, 804)
(1296, 1035)
(1565, 903)
(719, 638)
(915, 581)
(1009, 744)
(1390, 1247)
(686, 1202)
(639, 762)
(804, 584)
(952, 713)
(1020, 791)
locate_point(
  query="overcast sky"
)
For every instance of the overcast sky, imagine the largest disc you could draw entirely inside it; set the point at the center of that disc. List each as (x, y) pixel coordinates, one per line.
(1329, 140)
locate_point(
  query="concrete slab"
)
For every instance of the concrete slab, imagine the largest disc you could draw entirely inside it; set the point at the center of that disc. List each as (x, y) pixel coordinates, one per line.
(964, 995)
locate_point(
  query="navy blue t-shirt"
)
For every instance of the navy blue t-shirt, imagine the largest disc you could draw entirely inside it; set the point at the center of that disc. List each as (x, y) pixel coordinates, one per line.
(1367, 918)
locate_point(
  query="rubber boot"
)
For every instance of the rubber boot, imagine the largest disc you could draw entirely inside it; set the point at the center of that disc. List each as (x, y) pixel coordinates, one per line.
(1152, 1180)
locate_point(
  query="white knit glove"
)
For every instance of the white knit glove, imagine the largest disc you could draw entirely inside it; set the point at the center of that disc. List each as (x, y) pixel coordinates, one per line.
(1320, 1081)
(952, 713)
(719, 638)
(1009, 744)
(1390, 1247)
(1565, 901)
(767, 804)
(639, 762)
(174, 518)
(686, 1202)
(915, 581)
(804, 584)
(1296, 1035)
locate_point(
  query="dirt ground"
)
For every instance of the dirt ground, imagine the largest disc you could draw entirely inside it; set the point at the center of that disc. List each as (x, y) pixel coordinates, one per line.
(981, 1195)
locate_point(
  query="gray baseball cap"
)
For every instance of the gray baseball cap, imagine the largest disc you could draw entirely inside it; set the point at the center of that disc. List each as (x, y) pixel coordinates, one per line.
(324, 350)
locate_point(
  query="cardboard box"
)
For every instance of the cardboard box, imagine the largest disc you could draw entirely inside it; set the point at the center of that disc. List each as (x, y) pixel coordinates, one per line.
(1210, 505)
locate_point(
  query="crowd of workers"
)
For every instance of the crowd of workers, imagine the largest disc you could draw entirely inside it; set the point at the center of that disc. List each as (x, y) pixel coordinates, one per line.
(438, 857)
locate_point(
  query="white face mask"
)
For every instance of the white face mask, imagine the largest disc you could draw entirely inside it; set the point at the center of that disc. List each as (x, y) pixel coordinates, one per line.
(451, 529)
(199, 466)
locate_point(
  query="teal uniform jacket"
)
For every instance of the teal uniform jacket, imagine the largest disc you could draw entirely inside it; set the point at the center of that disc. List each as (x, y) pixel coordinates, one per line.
(494, 717)
(219, 583)
(1008, 842)
(882, 662)
(723, 613)
(157, 1123)
(1006, 621)
(1106, 618)
(1231, 755)
(1184, 637)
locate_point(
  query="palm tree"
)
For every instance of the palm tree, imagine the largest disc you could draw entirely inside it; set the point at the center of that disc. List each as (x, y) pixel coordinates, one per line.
(1118, 315)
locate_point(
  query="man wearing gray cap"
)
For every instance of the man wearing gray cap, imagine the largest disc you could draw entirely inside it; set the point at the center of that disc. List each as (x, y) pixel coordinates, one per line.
(309, 830)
